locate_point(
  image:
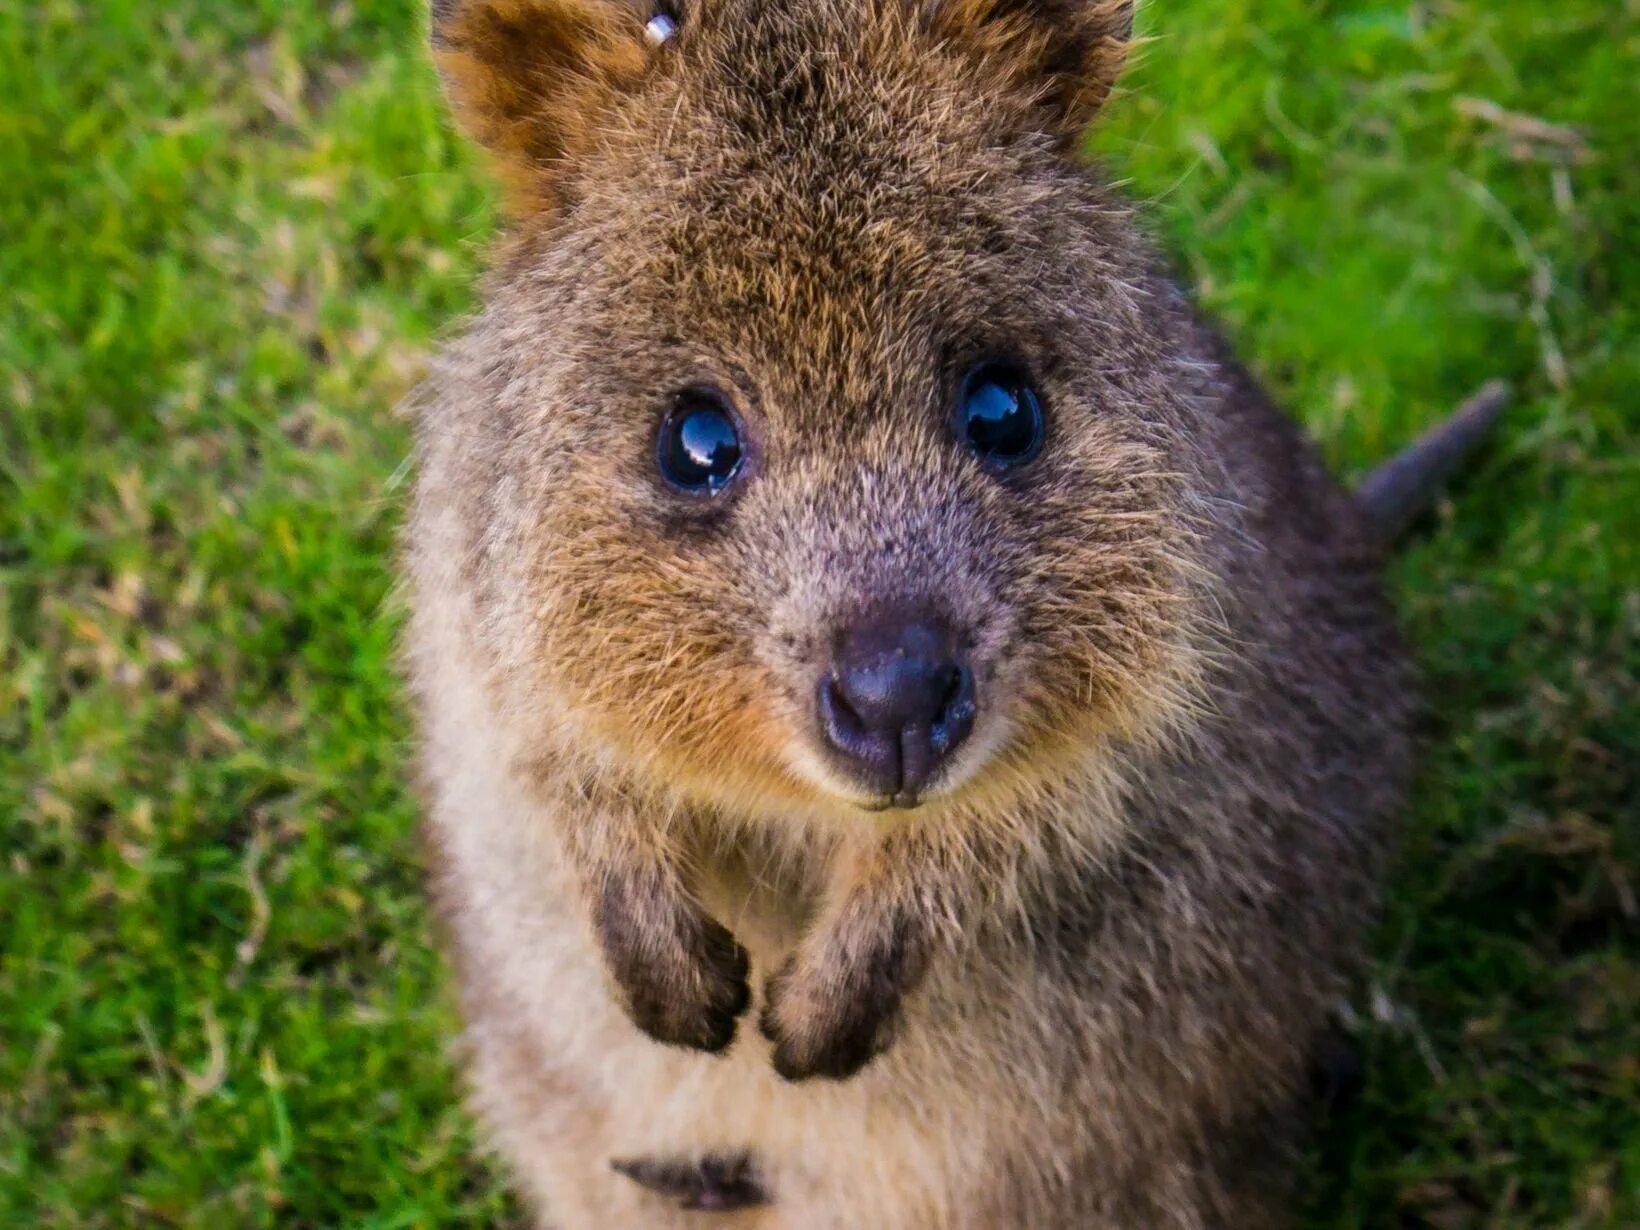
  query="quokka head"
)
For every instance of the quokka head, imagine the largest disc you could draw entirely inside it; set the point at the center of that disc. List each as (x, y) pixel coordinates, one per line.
(823, 444)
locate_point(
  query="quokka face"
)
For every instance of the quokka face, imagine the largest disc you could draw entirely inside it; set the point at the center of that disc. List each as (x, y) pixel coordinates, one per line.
(826, 451)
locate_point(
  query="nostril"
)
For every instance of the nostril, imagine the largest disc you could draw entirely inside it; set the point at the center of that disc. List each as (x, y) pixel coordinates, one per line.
(957, 710)
(873, 753)
(925, 744)
(843, 725)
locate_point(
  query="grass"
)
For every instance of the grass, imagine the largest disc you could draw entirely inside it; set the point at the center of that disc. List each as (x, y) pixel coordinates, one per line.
(230, 234)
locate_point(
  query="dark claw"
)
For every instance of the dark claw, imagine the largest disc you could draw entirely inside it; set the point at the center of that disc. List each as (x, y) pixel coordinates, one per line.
(711, 1184)
(689, 993)
(704, 1024)
(838, 1058)
(850, 1036)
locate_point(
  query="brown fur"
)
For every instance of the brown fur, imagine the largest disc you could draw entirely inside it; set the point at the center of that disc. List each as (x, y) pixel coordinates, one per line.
(1081, 985)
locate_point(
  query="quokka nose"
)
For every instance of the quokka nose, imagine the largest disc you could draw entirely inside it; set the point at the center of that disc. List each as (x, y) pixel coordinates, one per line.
(896, 703)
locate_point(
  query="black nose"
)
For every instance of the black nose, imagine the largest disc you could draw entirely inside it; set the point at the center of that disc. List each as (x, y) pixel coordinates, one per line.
(896, 703)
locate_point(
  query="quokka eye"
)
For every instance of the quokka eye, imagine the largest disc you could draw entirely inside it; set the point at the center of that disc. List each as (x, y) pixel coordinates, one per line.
(700, 449)
(999, 415)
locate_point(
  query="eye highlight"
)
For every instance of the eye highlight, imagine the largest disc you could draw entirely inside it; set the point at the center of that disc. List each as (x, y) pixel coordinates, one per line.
(699, 449)
(999, 415)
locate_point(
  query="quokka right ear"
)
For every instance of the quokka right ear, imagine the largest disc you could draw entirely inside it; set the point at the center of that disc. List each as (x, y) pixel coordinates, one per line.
(530, 79)
(1064, 53)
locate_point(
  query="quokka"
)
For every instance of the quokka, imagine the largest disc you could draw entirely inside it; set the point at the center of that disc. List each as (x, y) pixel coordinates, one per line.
(910, 731)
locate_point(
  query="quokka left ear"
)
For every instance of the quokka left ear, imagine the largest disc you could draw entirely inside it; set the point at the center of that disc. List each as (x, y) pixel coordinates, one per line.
(530, 79)
(1066, 54)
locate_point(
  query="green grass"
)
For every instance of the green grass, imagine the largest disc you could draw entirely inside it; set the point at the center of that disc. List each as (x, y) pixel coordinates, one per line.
(230, 234)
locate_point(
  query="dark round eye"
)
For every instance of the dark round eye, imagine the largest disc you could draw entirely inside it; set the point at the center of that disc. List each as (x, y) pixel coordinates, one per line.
(999, 415)
(699, 446)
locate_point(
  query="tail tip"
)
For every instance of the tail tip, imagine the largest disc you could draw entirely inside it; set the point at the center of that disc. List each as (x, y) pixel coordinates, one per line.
(1485, 404)
(1393, 495)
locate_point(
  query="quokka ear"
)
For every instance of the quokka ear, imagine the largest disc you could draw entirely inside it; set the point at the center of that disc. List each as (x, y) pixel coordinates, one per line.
(1066, 54)
(530, 79)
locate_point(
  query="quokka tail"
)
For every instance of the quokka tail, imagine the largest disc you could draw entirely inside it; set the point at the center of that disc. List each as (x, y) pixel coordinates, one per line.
(1397, 491)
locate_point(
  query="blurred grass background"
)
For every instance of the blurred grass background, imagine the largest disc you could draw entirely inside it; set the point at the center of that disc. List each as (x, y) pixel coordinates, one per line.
(230, 234)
